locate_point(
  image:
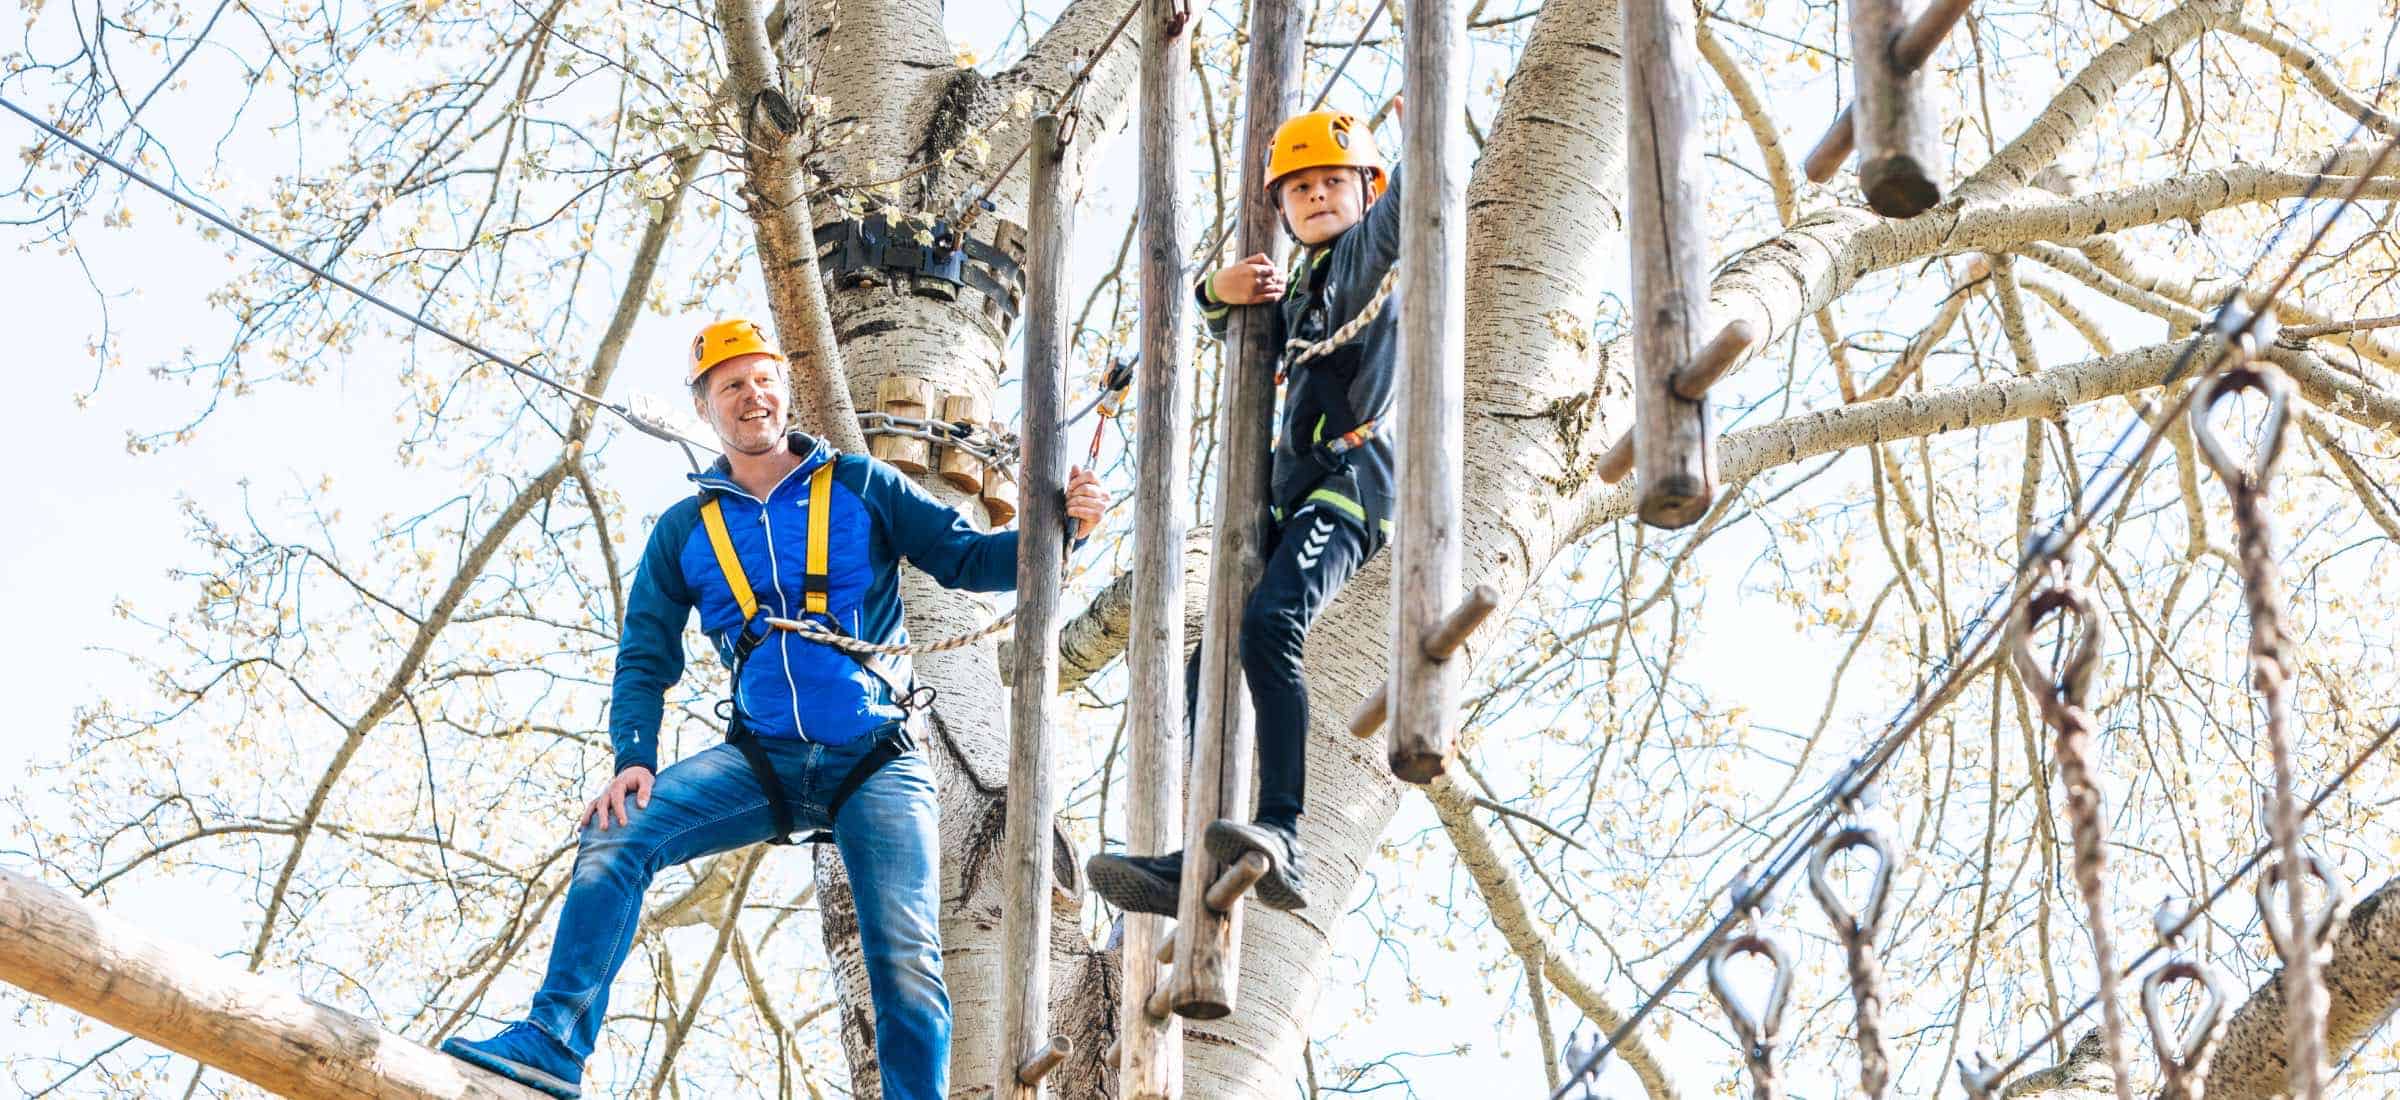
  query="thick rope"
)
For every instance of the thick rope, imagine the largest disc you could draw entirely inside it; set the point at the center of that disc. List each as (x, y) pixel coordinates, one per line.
(848, 644)
(1306, 350)
(2262, 592)
(2062, 707)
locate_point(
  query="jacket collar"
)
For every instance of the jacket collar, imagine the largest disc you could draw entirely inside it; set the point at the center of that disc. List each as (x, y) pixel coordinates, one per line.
(813, 452)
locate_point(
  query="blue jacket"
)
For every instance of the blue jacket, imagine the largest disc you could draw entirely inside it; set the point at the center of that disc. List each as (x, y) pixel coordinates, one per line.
(791, 687)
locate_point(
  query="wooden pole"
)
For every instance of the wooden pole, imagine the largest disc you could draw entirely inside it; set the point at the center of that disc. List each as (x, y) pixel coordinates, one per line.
(62, 948)
(1893, 119)
(1674, 452)
(1041, 571)
(1208, 943)
(1431, 386)
(1910, 52)
(1151, 1048)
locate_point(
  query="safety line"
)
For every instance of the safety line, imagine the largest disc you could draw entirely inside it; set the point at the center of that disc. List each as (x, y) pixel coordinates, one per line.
(2061, 536)
(640, 423)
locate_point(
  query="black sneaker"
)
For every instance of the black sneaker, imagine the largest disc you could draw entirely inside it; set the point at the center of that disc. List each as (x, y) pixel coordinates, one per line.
(1286, 884)
(1138, 884)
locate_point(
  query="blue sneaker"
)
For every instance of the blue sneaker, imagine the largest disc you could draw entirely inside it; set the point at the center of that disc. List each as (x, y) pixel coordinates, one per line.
(523, 1054)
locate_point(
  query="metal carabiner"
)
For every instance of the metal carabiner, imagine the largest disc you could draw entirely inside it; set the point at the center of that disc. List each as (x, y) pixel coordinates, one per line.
(2243, 330)
(2271, 383)
(2074, 682)
(1758, 1032)
(1867, 923)
(2320, 923)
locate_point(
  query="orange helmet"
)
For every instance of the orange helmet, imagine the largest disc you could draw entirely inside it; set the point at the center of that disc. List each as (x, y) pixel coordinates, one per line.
(724, 340)
(1325, 138)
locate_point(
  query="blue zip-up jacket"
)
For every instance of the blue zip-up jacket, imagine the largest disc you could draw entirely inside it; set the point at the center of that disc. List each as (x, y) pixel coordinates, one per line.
(792, 687)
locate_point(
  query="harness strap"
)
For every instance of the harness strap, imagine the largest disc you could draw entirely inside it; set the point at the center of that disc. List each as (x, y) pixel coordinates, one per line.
(816, 584)
(769, 783)
(712, 515)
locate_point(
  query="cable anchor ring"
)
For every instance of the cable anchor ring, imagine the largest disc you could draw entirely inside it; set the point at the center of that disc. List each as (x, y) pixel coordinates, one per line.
(1867, 923)
(2320, 923)
(2271, 383)
(2073, 682)
(2183, 1056)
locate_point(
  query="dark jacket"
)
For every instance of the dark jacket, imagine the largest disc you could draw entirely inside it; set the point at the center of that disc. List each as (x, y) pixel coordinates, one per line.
(1334, 393)
(789, 686)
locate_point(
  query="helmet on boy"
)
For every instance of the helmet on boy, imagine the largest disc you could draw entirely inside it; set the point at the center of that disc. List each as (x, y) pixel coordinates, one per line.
(724, 340)
(1321, 139)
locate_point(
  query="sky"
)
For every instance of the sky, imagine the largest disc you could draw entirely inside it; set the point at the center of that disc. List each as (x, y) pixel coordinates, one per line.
(95, 526)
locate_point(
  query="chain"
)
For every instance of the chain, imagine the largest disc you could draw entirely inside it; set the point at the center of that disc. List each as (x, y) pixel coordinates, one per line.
(2246, 485)
(2062, 704)
(1858, 932)
(2183, 1059)
(1757, 1031)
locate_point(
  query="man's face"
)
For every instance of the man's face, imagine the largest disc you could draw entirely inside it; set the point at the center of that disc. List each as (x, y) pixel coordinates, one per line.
(746, 400)
(1319, 203)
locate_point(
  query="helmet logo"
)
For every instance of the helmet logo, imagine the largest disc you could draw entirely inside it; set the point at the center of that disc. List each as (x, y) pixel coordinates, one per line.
(699, 345)
(1341, 137)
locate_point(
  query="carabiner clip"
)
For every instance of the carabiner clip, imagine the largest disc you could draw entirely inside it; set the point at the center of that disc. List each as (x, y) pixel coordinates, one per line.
(2083, 658)
(2179, 1055)
(1867, 923)
(2271, 383)
(2320, 923)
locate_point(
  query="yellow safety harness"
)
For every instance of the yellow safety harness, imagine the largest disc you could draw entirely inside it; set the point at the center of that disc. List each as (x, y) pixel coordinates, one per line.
(816, 589)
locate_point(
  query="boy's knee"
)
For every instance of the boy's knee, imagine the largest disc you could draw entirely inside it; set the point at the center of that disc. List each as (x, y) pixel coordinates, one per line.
(1270, 628)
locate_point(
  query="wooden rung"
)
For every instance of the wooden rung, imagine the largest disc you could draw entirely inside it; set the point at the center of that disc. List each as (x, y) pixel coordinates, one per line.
(1618, 462)
(962, 470)
(1166, 949)
(1440, 644)
(1910, 51)
(1000, 495)
(1236, 881)
(905, 397)
(1032, 1070)
(1714, 361)
(1160, 1005)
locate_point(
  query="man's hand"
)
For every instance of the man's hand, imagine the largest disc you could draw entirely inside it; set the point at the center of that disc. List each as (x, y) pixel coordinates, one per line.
(1086, 501)
(636, 781)
(1247, 281)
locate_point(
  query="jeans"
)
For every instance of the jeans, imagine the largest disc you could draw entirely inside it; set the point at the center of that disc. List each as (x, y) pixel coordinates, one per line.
(1309, 558)
(710, 803)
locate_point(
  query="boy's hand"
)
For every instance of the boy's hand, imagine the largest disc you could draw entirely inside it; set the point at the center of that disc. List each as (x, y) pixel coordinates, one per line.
(1247, 281)
(1086, 501)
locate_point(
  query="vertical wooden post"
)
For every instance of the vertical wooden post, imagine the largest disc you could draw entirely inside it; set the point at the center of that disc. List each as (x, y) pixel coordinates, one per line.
(1152, 1047)
(1674, 457)
(1893, 120)
(1432, 386)
(1041, 570)
(1207, 942)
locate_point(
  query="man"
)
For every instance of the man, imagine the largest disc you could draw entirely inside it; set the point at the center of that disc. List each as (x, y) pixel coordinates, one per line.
(782, 527)
(1331, 482)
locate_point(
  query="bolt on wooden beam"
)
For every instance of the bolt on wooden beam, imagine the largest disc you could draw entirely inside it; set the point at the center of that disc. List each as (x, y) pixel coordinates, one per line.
(1910, 50)
(1431, 388)
(1148, 1051)
(1441, 643)
(1666, 183)
(1041, 571)
(1031, 1071)
(1207, 942)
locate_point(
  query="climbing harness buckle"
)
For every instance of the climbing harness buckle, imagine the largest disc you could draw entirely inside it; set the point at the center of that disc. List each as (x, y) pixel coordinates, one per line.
(2320, 923)
(2072, 682)
(2271, 383)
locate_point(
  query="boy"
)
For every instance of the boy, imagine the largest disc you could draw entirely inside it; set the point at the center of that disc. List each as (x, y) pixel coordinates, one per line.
(1331, 497)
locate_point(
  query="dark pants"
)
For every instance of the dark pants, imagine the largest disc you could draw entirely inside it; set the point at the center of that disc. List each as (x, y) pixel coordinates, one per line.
(1309, 557)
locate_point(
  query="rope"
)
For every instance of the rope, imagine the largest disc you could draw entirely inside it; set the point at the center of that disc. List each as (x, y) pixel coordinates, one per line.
(2262, 590)
(647, 425)
(2062, 707)
(1858, 932)
(846, 643)
(1307, 350)
(2187, 917)
(2102, 487)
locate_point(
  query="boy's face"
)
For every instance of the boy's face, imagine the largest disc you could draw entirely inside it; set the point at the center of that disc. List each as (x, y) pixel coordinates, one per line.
(1319, 203)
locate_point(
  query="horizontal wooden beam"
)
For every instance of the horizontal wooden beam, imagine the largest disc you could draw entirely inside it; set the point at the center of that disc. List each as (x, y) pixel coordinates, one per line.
(62, 948)
(1236, 881)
